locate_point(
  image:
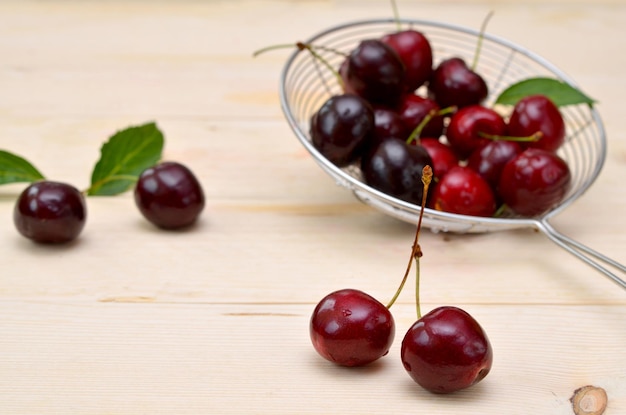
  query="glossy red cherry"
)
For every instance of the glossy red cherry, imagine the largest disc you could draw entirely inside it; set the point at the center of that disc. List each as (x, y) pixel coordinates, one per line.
(446, 350)
(416, 54)
(464, 192)
(395, 168)
(414, 108)
(50, 212)
(534, 181)
(489, 160)
(467, 125)
(453, 83)
(537, 113)
(351, 328)
(375, 72)
(169, 195)
(339, 128)
(441, 154)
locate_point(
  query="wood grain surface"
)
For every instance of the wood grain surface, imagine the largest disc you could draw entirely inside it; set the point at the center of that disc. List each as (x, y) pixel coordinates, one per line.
(214, 320)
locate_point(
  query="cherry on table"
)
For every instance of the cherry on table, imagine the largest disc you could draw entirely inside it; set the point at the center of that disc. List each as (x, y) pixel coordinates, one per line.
(351, 328)
(416, 54)
(465, 192)
(169, 195)
(339, 128)
(50, 212)
(534, 181)
(446, 350)
(375, 72)
(453, 83)
(537, 113)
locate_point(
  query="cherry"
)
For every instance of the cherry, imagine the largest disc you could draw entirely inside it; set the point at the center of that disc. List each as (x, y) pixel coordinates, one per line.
(446, 350)
(441, 154)
(395, 168)
(340, 126)
(468, 127)
(169, 195)
(537, 113)
(375, 72)
(534, 181)
(50, 212)
(414, 108)
(489, 160)
(351, 328)
(416, 54)
(388, 123)
(465, 192)
(453, 83)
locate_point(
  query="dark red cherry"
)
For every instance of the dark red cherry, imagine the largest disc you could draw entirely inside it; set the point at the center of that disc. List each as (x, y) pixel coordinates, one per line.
(489, 160)
(464, 192)
(537, 113)
(351, 328)
(413, 108)
(388, 123)
(441, 154)
(466, 126)
(416, 54)
(534, 181)
(446, 350)
(453, 83)
(169, 195)
(375, 72)
(50, 212)
(340, 126)
(395, 168)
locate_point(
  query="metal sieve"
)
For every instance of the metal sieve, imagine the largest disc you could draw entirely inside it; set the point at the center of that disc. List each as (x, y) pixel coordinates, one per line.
(306, 83)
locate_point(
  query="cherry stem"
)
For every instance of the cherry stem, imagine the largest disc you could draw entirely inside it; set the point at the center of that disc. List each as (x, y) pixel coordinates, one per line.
(396, 15)
(417, 131)
(479, 44)
(416, 250)
(531, 138)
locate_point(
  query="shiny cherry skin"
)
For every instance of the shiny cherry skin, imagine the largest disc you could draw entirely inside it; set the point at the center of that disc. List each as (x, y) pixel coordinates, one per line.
(413, 108)
(375, 72)
(454, 83)
(169, 195)
(537, 113)
(534, 181)
(466, 126)
(416, 54)
(441, 154)
(388, 123)
(339, 128)
(50, 212)
(395, 168)
(446, 350)
(351, 328)
(465, 192)
(489, 160)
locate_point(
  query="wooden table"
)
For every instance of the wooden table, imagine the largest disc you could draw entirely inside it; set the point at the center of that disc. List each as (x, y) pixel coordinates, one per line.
(133, 320)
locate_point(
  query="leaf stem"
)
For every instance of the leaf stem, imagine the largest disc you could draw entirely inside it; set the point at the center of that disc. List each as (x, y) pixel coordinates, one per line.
(96, 185)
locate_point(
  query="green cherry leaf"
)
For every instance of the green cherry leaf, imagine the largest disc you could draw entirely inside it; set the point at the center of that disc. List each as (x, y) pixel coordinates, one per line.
(124, 157)
(559, 92)
(15, 169)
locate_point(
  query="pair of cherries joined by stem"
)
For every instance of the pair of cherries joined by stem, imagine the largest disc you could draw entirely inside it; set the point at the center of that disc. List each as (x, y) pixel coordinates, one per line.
(444, 351)
(168, 195)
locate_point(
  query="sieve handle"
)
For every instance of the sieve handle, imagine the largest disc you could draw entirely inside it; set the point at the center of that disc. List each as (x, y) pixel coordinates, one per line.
(582, 252)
